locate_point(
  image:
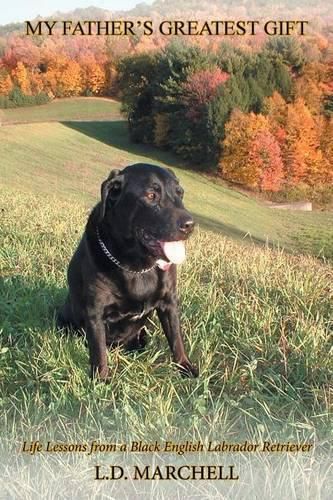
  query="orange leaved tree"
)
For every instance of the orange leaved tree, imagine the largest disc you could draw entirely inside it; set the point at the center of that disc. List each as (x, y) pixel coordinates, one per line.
(6, 83)
(251, 153)
(69, 80)
(303, 158)
(93, 76)
(21, 78)
(326, 144)
(265, 158)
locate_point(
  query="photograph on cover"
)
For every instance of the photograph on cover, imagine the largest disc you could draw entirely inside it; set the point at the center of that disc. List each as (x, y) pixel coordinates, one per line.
(166, 249)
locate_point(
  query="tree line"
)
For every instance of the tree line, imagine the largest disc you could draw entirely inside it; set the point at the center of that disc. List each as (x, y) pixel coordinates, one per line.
(260, 119)
(257, 111)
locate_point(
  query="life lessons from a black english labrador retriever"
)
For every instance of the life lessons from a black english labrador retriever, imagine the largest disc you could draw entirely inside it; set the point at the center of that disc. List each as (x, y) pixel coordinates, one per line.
(125, 266)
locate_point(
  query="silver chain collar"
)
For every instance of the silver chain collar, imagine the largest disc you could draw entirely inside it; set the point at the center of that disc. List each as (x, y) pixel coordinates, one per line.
(116, 261)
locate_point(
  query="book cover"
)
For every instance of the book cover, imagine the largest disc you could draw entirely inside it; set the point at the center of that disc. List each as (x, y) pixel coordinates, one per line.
(117, 381)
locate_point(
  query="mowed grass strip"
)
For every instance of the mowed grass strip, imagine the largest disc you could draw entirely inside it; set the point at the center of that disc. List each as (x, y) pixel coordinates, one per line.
(257, 322)
(63, 109)
(70, 159)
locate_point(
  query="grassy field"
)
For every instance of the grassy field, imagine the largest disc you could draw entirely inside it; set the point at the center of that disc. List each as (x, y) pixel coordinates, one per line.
(256, 319)
(63, 109)
(70, 158)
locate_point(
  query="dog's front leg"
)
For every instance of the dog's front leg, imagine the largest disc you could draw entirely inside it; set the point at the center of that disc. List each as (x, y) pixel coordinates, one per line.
(95, 330)
(169, 318)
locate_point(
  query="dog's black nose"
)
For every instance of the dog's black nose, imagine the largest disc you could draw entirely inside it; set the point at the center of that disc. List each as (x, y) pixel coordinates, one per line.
(186, 225)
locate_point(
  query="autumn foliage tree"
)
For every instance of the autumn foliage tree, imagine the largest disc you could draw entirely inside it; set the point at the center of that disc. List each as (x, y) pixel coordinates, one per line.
(56, 67)
(326, 145)
(328, 89)
(310, 86)
(303, 157)
(93, 77)
(63, 77)
(70, 79)
(6, 84)
(276, 108)
(200, 88)
(305, 141)
(21, 78)
(251, 154)
(266, 160)
(21, 50)
(36, 82)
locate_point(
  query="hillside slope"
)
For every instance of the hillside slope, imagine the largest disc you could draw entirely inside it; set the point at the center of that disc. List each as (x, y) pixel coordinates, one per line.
(69, 159)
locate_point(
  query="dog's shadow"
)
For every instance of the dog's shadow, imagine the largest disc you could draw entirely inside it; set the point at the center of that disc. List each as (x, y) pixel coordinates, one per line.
(27, 304)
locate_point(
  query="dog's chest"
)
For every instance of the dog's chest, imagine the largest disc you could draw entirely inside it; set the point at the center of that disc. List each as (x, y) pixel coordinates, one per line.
(144, 287)
(136, 300)
(126, 312)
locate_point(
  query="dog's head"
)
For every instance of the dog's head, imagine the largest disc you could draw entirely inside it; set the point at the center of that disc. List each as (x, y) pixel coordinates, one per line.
(144, 203)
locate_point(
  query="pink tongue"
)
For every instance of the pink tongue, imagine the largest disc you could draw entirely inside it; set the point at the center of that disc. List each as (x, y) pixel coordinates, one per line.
(174, 251)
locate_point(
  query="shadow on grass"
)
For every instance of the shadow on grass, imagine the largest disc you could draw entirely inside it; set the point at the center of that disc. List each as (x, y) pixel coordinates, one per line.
(115, 134)
(27, 305)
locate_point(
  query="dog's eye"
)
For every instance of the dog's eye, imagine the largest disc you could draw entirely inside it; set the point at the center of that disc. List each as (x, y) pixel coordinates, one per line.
(151, 196)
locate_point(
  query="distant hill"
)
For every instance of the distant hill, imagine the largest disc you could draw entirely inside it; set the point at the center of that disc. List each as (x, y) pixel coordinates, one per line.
(87, 13)
(248, 8)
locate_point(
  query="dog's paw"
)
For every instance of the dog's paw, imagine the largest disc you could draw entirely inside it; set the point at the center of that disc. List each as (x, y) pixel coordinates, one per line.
(187, 369)
(100, 374)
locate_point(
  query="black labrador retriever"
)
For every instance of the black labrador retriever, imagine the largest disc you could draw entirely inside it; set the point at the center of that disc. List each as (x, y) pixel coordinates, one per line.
(125, 265)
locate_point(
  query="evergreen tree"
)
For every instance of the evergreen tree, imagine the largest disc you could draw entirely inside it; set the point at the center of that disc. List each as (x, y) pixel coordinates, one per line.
(290, 50)
(136, 75)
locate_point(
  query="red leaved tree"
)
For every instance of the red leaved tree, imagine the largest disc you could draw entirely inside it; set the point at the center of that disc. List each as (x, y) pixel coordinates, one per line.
(200, 88)
(20, 49)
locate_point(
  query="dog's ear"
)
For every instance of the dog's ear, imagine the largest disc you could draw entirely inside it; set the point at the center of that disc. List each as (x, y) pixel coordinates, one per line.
(111, 188)
(172, 173)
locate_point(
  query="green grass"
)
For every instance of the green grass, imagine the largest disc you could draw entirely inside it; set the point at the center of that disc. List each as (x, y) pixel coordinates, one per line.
(70, 159)
(257, 320)
(63, 109)
(258, 323)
